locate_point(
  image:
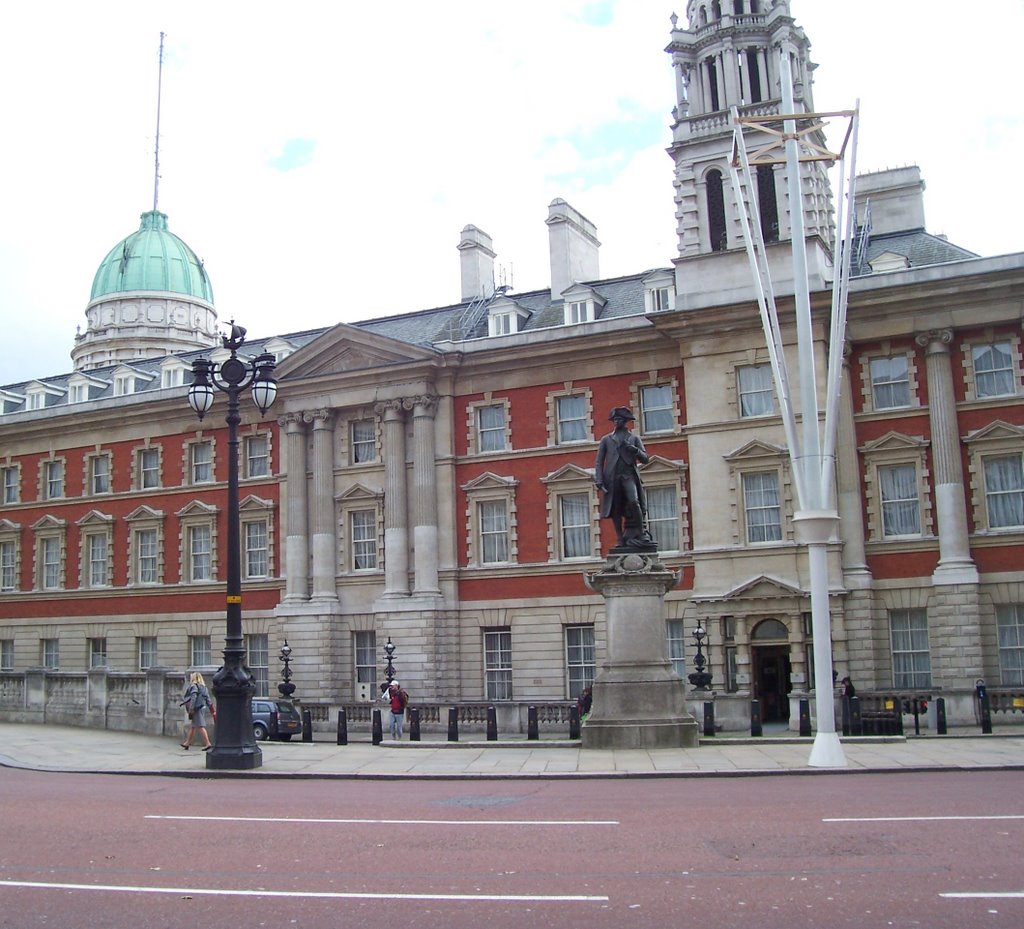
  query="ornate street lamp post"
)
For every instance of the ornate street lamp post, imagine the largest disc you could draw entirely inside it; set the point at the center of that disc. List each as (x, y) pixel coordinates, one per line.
(389, 652)
(700, 678)
(286, 688)
(235, 745)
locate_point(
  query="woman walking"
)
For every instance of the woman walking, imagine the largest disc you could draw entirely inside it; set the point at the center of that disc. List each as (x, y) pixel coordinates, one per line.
(196, 702)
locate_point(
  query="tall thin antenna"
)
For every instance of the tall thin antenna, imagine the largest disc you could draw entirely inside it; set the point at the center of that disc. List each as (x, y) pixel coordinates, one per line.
(159, 92)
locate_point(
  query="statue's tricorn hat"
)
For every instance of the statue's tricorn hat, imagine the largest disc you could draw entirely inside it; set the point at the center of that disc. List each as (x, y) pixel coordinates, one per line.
(622, 412)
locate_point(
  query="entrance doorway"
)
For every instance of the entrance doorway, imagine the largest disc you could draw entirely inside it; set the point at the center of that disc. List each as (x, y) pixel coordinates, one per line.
(771, 681)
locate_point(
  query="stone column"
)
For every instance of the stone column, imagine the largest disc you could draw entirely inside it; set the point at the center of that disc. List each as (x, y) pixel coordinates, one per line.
(705, 81)
(396, 531)
(325, 542)
(955, 563)
(850, 497)
(424, 483)
(296, 555)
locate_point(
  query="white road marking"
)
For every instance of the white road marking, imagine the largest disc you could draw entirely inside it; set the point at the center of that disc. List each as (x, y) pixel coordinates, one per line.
(310, 894)
(916, 819)
(396, 822)
(1007, 895)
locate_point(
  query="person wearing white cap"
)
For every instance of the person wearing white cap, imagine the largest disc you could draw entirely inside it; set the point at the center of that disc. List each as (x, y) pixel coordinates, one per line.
(399, 700)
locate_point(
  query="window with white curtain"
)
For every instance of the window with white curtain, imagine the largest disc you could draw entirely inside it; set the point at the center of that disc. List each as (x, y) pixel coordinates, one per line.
(257, 657)
(993, 369)
(675, 636)
(364, 540)
(490, 424)
(1004, 491)
(1010, 622)
(656, 411)
(498, 664)
(911, 659)
(890, 382)
(572, 418)
(366, 657)
(493, 516)
(579, 658)
(663, 516)
(756, 390)
(761, 508)
(574, 514)
(901, 512)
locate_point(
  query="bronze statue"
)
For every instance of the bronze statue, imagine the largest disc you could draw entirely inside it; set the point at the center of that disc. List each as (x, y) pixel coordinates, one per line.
(616, 475)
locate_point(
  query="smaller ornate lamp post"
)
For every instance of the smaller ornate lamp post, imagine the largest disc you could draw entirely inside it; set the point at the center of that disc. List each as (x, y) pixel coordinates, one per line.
(235, 745)
(286, 688)
(389, 651)
(700, 678)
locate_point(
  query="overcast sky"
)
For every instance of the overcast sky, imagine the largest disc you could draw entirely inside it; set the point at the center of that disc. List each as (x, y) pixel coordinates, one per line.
(321, 158)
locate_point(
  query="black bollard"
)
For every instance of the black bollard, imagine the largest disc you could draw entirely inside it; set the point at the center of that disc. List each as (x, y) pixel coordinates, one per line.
(756, 729)
(986, 714)
(574, 722)
(846, 714)
(940, 716)
(492, 724)
(342, 728)
(709, 717)
(532, 730)
(805, 716)
(414, 724)
(307, 726)
(897, 720)
(856, 721)
(377, 728)
(453, 724)
(272, 723)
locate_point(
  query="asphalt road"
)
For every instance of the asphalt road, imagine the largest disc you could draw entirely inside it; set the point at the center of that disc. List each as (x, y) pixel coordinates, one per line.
(936, 850)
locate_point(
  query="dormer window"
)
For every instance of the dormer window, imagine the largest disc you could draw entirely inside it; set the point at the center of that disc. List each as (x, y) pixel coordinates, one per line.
(39, 396)
(502, 323)
(505, 316)
(172, 375)
(579, 311)
(582, 304)
(124, 384)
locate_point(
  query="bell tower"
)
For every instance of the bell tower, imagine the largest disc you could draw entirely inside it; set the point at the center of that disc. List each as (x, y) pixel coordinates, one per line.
(728, 56)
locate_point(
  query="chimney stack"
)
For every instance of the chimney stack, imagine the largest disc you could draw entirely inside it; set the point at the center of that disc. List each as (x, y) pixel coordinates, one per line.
(476, 259)
(897, 199)
(573, 245)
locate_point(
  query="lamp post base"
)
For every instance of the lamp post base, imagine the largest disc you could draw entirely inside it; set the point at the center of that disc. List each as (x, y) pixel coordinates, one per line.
(234, 742)
(827, 751)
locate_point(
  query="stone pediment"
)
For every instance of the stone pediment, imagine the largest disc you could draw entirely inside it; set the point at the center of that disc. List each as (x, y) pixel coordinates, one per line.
(895, 441)
(359, 492)
(346, 348)
(252, 502)
(755, 449)
(196, 508)
(761, 587)
(998, 431)
(144, 512)
(48, 522)
(489, 480)
(569, 472)
(660, 465)
(95, 516)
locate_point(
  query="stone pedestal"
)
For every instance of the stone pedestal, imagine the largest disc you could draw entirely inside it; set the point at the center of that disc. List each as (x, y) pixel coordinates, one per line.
(639, 702)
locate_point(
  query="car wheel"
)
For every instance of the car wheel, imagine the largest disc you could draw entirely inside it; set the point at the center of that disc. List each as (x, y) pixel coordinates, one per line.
(260, 731)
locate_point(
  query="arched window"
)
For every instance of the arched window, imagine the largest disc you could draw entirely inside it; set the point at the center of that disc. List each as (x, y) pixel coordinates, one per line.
(716, 211)
(716, 10)
(737, 7)
(767, 203)
(703, 16)
(755, 7)
(769, 629)
(713, 84)
(754, 74)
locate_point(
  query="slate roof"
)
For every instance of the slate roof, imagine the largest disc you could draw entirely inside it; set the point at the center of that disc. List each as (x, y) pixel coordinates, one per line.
(920, 248)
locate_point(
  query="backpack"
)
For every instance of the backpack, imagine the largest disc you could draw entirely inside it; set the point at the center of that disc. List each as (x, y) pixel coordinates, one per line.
(404, 697)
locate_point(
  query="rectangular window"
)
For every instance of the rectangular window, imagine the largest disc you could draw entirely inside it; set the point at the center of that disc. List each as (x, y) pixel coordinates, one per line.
(50, 558)
(498, 664)
(756, 390)
(257, 651)
(364, 441)
(255, 533)
(10, 491)
(761, 506)
(675, 643)
(580, 659)
(490, 426)
(49, 653)
(993, 370)
(572, 418)
(6, 654)
(493, 531)
(574, 514)
(911, 661)
(257, 456)
(577, 312)
(54, 471)
(146, 556)
(199, 559)
(97, 653)
(500, 324)
(364, 540)
(656, 408)
(890, 382)
(1010, 622)
(201, 455)
(366, 658)
(200, 651)
(98, 545)
(1004, 492)
(99, 478)
(149, 468)
(897, 485)
(8, 567)
(661, 299)
(147, 652)
(663, 517)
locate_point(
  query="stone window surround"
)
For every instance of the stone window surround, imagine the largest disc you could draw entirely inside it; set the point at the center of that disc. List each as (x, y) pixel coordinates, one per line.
(894, 449)
(95, 523)
(988, 337)
(472, 430)
(347, 450)
(88, 463)
(490, 486)
(49, 527)
(243, 451)
(137, 453)
(754, 457)
(359, 498)
(568, 390)
(11, 532)
(9, 465)
(571, 479)
(192, 515)
(885, 350)
(997, 440)
(187, 446)
(44, 474)
(659, 281)
(255, 509)
(751, 357)
(653, 380)
(664, 472)
(138, 520)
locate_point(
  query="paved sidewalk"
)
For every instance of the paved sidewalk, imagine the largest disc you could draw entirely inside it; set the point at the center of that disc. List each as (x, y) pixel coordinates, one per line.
(66, 748)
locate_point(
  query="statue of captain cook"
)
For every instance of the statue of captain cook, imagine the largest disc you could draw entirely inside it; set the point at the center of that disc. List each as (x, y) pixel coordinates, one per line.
(617, 476)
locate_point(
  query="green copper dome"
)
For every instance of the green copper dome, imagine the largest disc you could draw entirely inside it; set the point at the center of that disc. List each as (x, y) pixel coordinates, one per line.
(152, 259)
